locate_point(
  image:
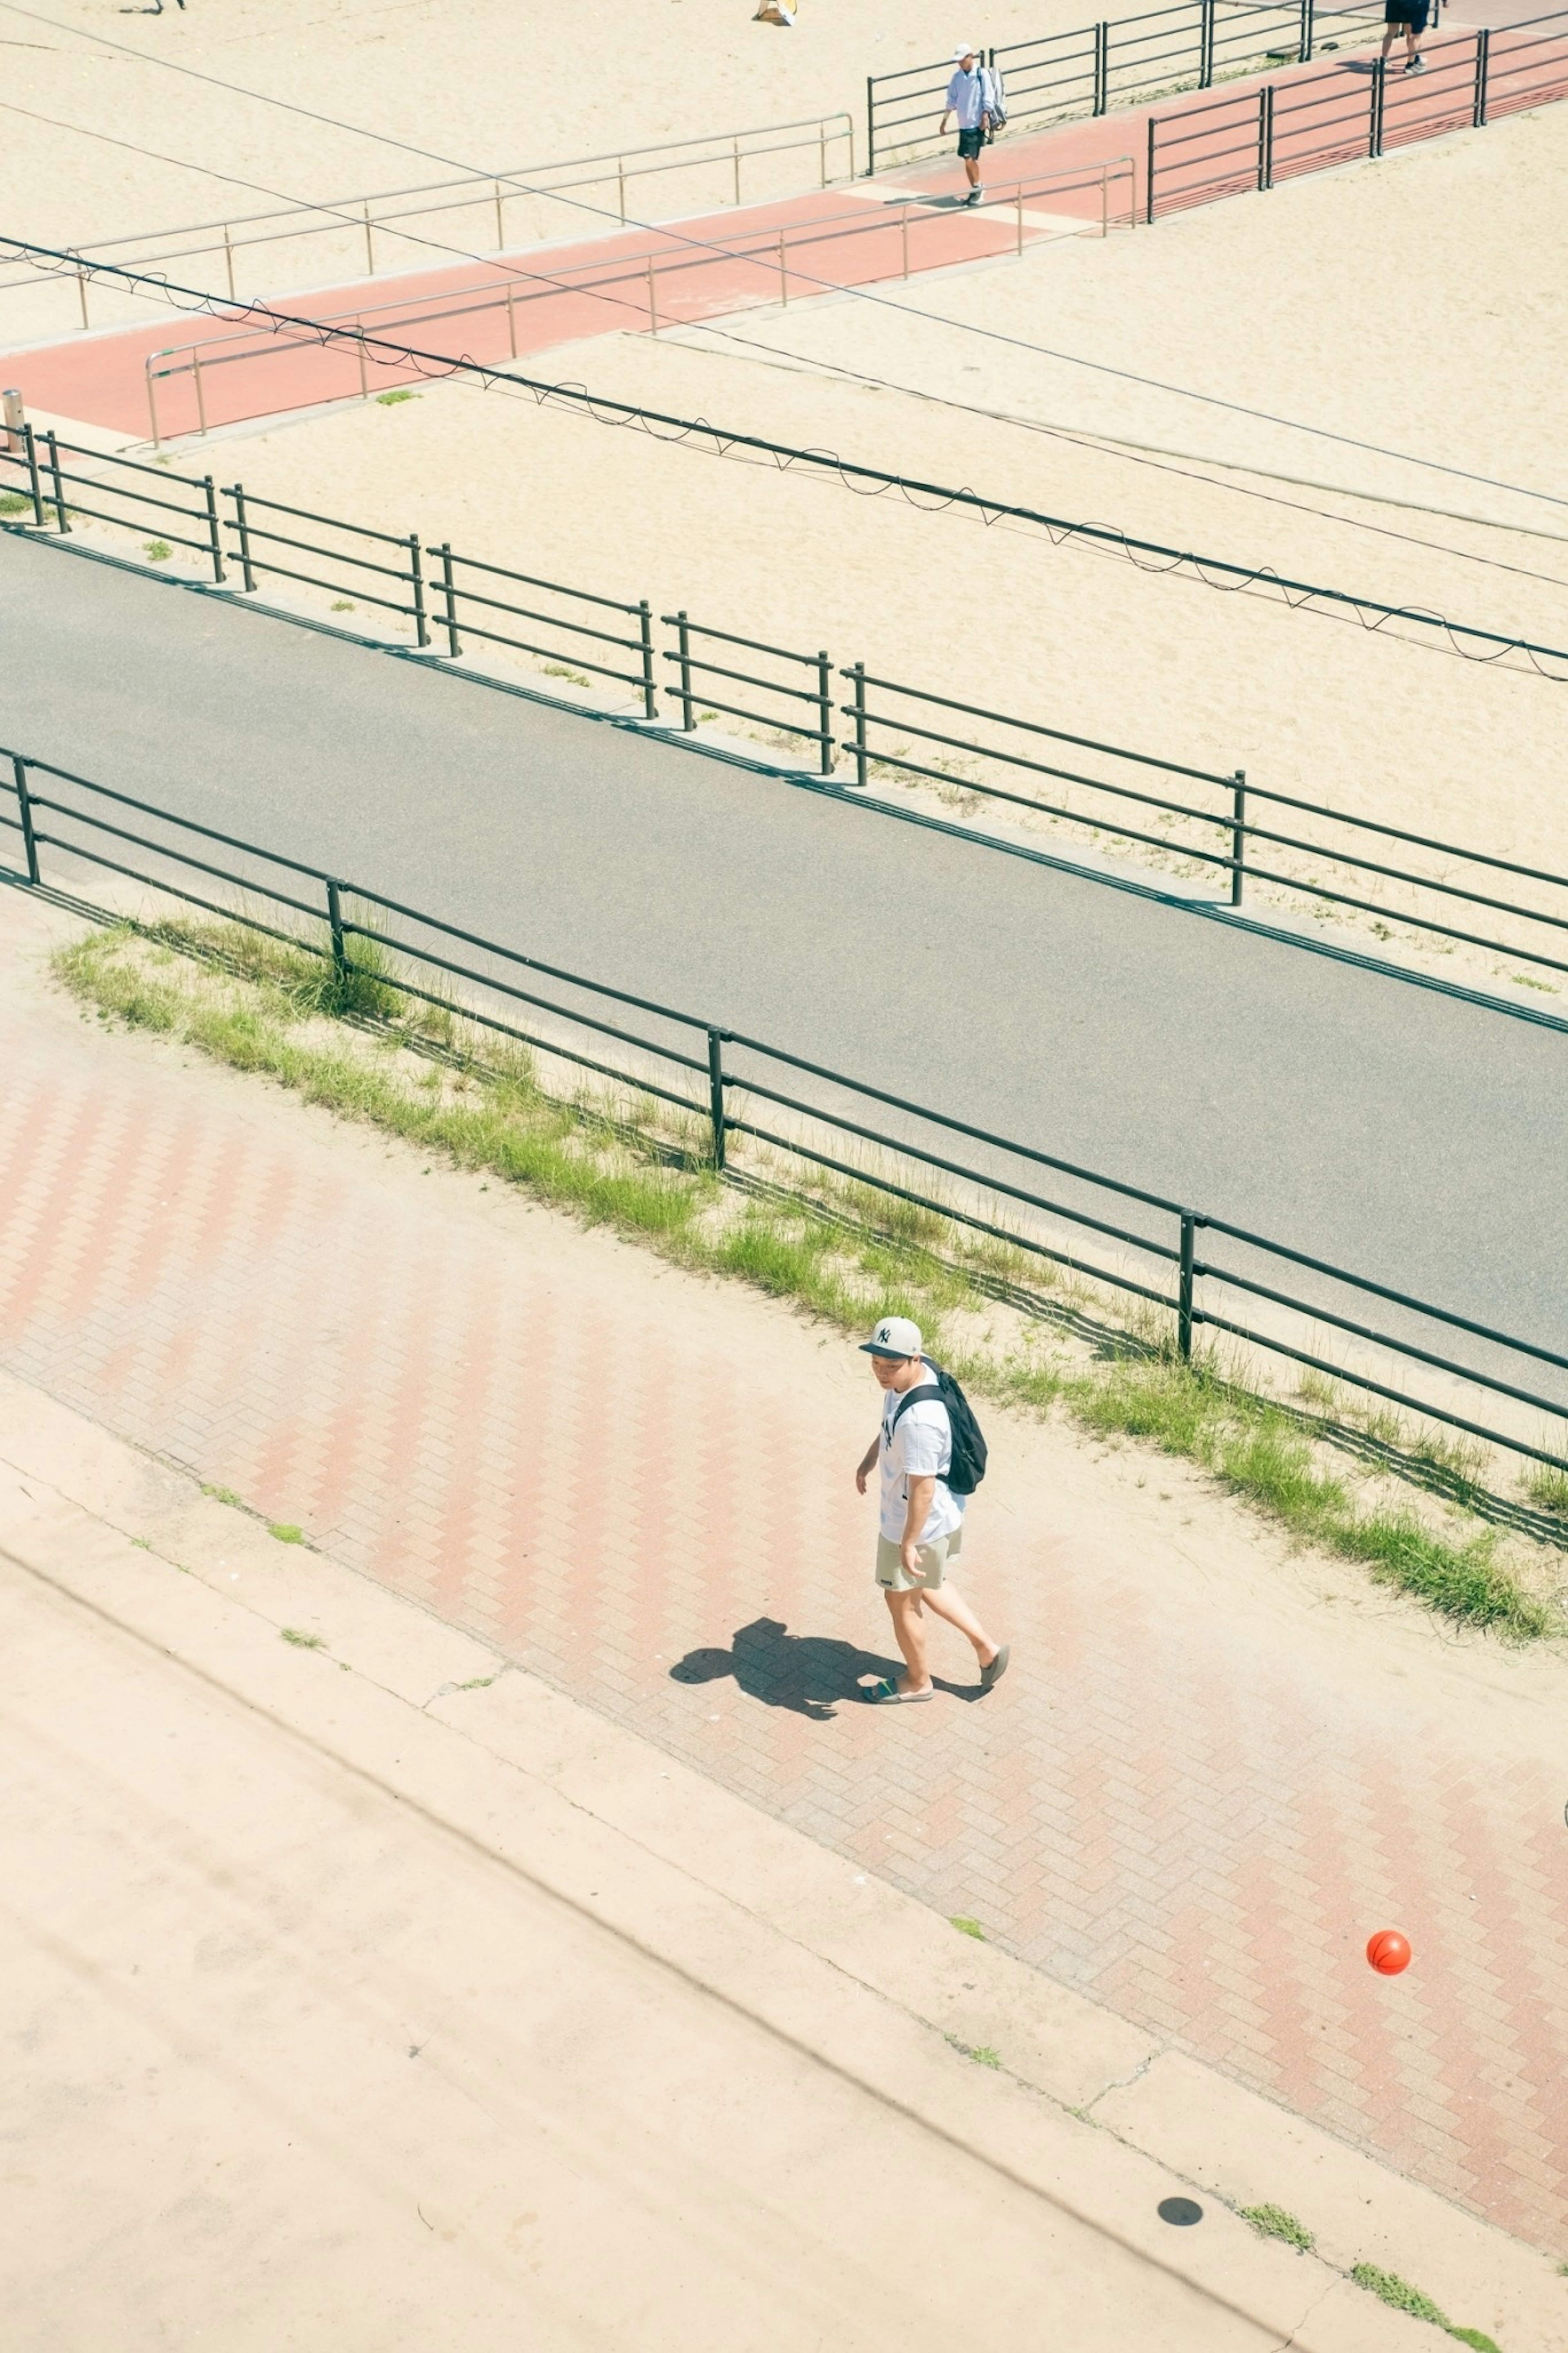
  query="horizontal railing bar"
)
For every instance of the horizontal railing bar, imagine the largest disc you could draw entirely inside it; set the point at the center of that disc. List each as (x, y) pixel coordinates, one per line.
(741, 677)
(1043, 767)
(550, 621)
(1379, 1339)
(548, 653)
(1382, 1290)
(954, 1168)
(308, 547)
(154, 883)
(69, 482)
(1377, 1389)
(529, 580)
(763, 718)
(532, 964)
(1073, 816)
(165, 816)
(1399, 874)
(309, 579)
(203, 546)
(525, 995)
(752, 645)
(1034, 727)
(305, 514)
(959, 1126)
(1421, 922)
(159, 849)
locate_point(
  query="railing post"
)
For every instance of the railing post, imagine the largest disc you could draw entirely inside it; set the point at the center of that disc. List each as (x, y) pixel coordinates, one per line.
(510, 320)
(242, 533)
(1483, 59)
(735, 144)
(1184, 1289)
(62, 517)
(870, 126)
(716, 1113)
(856, 671)
(1308, 30)
(649, 690)
(30, 444)
(825, 711)
(1375, 124)
(449, 595)
(1149, 175)
(201, 396)
(416, 582)
(1101, 66)
(1205, 44)
(1237, 836)
(228, 260)
(500, 231)
(683, 641)
(81, 292)
(1266, 136)
(25, 808)
(214, 544)
(369, 248)
(784, 274)
(335, 927)
(1020, 207)
(652, 304)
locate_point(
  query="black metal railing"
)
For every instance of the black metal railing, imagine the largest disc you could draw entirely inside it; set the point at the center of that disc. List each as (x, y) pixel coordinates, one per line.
(1254, 138)
(807, 711)
(1265, 1296)
(1424, 885)
(1116, 62)
(1202, 824)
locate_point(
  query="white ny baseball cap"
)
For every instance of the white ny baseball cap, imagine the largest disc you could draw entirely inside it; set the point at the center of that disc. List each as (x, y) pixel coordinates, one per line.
(895, 1335)
(964, 49)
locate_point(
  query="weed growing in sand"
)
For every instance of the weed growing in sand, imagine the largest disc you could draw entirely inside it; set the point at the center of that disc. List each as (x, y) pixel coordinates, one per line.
(967, 1927)
(1393, 2290)
(302, 1641)
(1274, 2223)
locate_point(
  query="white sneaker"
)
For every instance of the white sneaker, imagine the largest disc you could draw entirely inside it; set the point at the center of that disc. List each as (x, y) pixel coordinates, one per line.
(1416, 65)
(975, 196)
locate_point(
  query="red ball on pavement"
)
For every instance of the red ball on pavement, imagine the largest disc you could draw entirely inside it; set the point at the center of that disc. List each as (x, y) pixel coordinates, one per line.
(1388, 1952)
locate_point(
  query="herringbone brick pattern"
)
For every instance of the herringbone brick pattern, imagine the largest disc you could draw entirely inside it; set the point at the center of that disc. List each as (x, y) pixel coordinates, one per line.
(638, 1485)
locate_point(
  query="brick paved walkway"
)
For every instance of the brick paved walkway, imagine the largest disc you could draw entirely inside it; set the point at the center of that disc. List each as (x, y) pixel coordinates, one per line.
(1194, 1796)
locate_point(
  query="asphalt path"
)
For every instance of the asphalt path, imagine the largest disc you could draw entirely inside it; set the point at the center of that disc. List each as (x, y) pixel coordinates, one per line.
(1404, 1134)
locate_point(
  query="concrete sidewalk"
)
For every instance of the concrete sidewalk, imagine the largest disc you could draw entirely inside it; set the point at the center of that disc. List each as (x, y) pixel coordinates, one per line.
(1211, 1773)
(373, 1994)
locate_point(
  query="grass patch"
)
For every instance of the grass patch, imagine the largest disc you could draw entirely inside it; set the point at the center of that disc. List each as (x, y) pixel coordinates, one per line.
(1393, 2290)
(967, 1927)
(833, 1246)
(341, 604)
(1265, 1456)
(393, 399)
(302, 1641)
(1548, 1489)
(1274, 2223)
(563, 669)
(15, 502)
(286, 1532)
(157, 551)
(982, 2053)
(226, 1495)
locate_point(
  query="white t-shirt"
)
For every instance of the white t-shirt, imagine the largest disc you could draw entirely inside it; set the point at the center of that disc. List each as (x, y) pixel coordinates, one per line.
(920, 1447)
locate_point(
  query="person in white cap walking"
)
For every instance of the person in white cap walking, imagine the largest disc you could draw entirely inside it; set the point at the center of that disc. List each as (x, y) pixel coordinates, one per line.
(926, 1429)
(970, 96)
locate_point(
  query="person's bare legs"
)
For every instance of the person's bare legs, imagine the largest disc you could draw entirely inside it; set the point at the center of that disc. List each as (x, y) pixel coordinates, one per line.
(910, 1633)
(971, 170)
(957, 1611)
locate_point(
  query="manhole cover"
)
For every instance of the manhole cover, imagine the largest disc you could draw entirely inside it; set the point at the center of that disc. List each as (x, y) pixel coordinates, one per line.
(1180, 2210)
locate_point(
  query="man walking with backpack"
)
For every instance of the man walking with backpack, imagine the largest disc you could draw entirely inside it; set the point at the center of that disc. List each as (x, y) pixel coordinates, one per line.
(933, 1457)
(974, 96)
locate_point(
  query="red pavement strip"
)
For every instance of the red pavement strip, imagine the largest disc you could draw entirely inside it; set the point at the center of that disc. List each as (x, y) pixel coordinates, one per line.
(1165, 1805)
(842, 238)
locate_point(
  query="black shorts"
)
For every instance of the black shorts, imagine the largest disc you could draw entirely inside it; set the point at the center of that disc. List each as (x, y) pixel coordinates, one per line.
(1413, 13)
(970, 143)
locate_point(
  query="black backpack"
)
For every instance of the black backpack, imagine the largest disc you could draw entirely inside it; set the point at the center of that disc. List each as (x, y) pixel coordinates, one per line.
(967, 1468)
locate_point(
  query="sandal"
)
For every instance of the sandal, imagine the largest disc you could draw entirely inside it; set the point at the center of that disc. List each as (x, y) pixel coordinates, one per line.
(887, 1694)
(997, 1669)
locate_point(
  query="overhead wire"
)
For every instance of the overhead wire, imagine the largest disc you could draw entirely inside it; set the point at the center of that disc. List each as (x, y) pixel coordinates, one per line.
(867, 480)
(861, 294)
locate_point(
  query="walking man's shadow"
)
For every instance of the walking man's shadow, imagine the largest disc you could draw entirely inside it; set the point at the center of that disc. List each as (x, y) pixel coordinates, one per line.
(807, 1673)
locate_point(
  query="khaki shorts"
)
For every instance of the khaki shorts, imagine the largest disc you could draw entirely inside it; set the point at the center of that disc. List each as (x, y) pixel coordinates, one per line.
(894, 1577)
